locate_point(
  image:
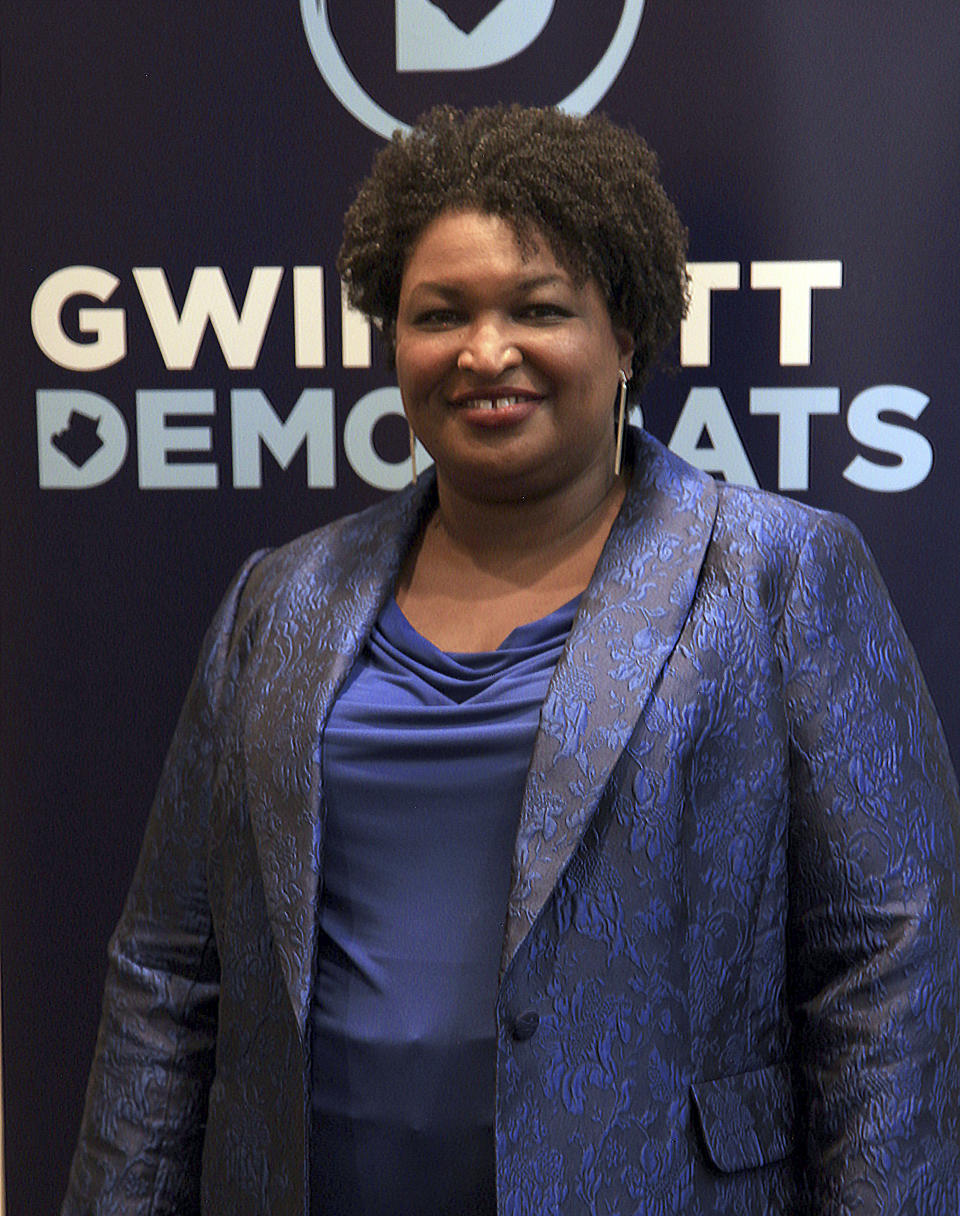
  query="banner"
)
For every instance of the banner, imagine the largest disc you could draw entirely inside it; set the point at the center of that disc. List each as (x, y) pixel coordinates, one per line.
(183, 382)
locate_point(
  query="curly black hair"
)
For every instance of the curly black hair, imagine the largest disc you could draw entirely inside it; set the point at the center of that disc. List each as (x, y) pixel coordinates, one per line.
(589, 186)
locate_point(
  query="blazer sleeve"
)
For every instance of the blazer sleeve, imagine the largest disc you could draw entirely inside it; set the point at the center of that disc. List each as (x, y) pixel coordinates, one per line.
(141, 1137)
(874, 927)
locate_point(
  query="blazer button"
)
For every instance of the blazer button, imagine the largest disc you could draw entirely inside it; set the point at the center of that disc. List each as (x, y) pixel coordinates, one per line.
(525, 1025)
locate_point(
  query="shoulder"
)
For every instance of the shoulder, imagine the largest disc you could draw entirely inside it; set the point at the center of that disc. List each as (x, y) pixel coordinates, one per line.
(320, 574)
(353, 549)
(749, 516)
(774, 525)
(758, 530)
(756, 538)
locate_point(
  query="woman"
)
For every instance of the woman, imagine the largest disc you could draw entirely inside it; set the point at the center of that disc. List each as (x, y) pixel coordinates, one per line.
(569, 833)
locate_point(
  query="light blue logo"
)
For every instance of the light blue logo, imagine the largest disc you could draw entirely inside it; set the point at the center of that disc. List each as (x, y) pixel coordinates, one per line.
(459, 36)
(428, 39)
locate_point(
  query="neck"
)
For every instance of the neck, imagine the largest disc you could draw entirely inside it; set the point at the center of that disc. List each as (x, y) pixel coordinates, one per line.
(482, 567)
(529, 531)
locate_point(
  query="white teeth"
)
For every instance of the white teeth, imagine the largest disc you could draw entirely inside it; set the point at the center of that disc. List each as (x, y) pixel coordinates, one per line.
(493, 403)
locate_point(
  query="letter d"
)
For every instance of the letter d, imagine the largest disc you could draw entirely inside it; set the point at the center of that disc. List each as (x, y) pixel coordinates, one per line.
(81, 439)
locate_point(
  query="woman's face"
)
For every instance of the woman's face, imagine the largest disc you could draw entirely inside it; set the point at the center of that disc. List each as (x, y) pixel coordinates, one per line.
(507, 367)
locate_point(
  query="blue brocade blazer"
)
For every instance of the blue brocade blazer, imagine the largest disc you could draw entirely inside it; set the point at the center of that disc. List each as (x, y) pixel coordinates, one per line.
(730, 967)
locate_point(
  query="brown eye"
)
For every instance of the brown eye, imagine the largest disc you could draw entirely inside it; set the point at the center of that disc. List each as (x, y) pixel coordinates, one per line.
(437, 318)
(544, 311)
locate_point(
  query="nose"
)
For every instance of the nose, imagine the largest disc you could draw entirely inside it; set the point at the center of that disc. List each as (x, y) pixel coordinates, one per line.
(488, 350)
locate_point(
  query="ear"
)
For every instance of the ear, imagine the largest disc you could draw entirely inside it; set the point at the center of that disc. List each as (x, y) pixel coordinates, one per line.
(625, 348)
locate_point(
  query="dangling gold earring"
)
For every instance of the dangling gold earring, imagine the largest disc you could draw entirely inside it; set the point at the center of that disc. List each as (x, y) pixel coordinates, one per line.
(413, 456)
(621, 418)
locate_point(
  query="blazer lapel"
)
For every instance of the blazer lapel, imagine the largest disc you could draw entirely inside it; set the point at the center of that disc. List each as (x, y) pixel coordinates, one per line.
(327, 589)
(628, 623)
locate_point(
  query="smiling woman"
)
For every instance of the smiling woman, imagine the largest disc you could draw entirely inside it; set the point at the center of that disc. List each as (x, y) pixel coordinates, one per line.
(482, 323)
(568, 832)
(519, 276)
(509, 371)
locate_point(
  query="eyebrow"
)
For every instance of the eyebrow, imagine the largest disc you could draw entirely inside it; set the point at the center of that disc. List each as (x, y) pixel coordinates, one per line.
(530, 284)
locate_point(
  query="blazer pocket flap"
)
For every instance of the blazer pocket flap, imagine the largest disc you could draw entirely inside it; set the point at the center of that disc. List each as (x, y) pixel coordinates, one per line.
(746, 1120)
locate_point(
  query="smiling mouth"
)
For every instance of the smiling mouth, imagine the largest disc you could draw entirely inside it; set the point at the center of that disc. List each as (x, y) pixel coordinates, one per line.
(490, 403)
(494, 403)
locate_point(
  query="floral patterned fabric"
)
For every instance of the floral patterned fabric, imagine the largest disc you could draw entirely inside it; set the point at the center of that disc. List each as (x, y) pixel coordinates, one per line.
(731, 964)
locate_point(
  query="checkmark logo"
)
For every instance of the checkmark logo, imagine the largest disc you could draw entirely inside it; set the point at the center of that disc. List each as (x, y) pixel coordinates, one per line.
(378, 69)
(466, 15)
(462, 35)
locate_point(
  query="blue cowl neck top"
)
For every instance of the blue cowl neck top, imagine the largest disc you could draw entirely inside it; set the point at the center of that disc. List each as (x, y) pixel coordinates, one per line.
(424, 758)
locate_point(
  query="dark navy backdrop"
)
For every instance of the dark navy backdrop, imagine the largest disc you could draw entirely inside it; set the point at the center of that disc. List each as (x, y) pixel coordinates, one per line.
(175, 136)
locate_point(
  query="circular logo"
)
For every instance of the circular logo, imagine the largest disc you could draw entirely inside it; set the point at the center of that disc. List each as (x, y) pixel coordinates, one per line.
(385, 67)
